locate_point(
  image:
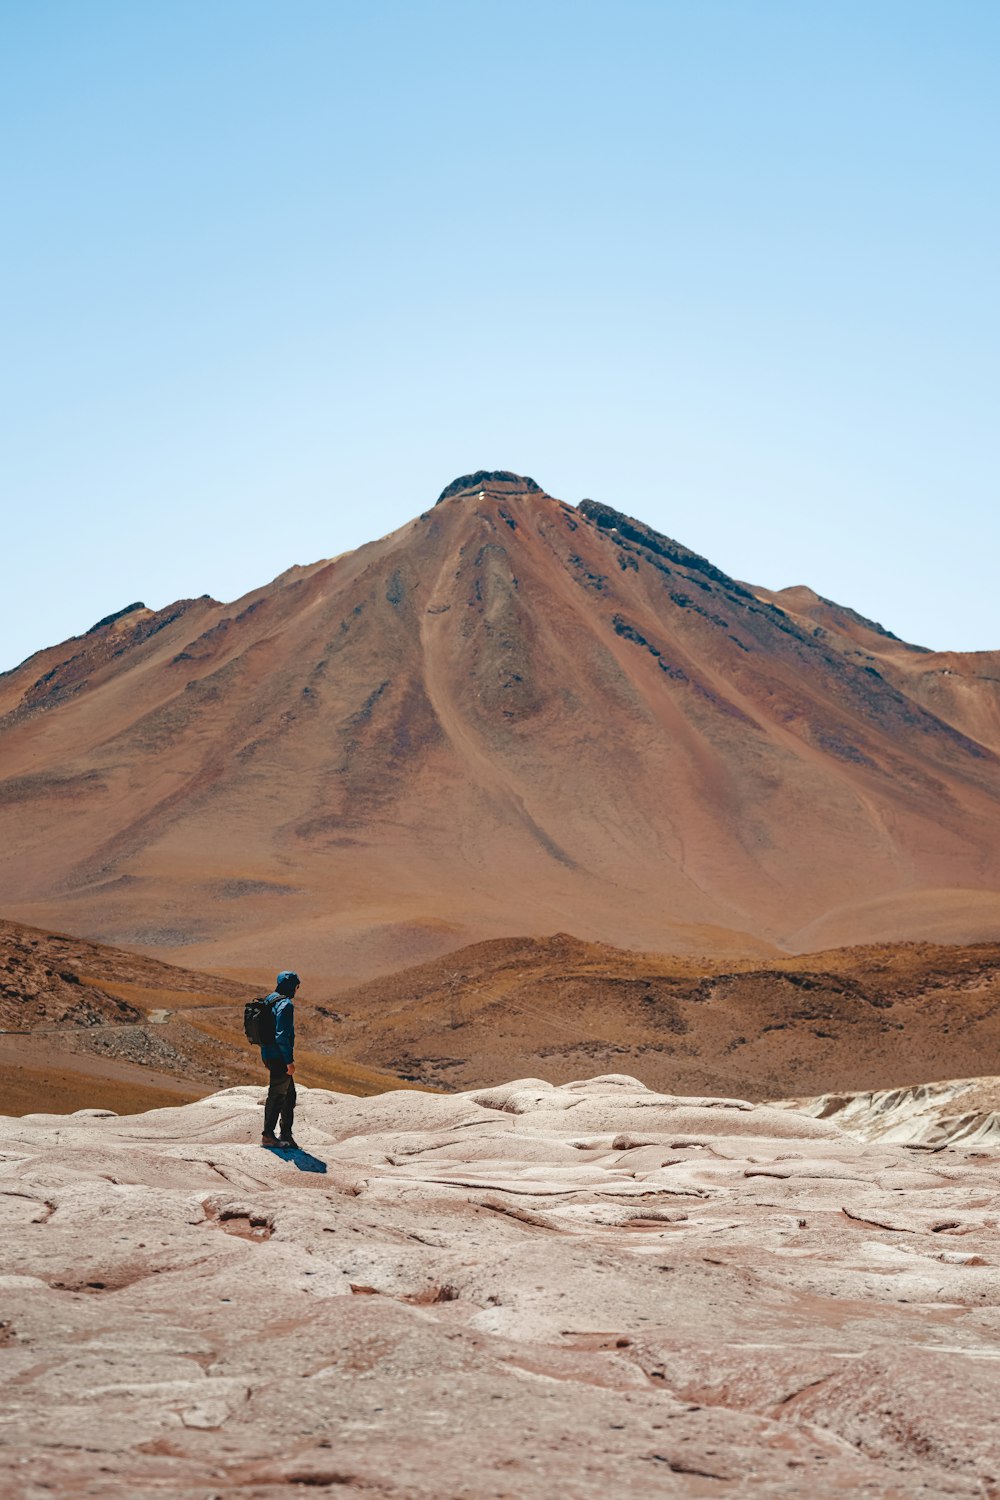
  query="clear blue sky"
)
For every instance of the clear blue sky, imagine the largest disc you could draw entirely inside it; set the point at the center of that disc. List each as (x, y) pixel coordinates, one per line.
(275, 271)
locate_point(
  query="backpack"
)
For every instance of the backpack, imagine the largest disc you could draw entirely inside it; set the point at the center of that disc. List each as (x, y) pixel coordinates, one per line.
(258, 1021)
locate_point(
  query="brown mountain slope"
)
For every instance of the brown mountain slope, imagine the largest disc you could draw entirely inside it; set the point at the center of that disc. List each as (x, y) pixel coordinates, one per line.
(511, 715)
(883, 1017)
(963, 688)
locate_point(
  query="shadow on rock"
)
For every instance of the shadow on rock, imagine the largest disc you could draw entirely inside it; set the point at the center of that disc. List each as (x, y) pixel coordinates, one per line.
(298, 1158)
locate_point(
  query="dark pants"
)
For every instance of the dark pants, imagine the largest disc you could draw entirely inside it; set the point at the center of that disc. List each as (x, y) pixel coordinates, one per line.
(280, 1099)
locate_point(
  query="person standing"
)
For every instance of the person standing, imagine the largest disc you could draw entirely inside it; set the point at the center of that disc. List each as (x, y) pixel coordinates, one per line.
(279, 1059)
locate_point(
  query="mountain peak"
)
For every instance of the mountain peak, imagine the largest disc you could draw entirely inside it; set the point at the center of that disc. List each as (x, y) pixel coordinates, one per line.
(119, 614)
(494, 481)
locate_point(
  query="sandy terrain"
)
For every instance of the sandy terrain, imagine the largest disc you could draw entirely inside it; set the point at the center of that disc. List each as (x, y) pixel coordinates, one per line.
(511, 716)
(506, 1295)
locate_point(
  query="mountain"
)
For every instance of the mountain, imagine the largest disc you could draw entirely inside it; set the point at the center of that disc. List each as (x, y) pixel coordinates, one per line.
(513, 715)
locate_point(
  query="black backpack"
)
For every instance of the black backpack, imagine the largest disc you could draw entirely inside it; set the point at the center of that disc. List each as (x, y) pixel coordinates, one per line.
(258, 1020)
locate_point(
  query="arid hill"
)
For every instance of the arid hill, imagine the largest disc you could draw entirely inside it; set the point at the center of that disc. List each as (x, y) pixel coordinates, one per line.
(83, 1025)
(48, 979)
(513, 715)
(877, 1017)
(87, 1026)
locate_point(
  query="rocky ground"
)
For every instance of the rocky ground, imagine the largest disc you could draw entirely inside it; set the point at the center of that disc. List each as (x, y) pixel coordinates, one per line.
(48, 979)
(524, 1292)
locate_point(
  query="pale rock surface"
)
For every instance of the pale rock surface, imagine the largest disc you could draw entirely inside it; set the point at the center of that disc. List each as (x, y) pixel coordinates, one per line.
(955, 1111)
(522, 1292)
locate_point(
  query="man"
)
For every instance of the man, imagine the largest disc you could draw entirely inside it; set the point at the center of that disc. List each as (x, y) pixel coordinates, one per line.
(279, 1058)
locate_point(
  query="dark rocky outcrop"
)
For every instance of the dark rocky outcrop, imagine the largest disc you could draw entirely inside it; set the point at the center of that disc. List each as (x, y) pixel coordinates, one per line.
(642, 535)
(119, 614)
(497, 481)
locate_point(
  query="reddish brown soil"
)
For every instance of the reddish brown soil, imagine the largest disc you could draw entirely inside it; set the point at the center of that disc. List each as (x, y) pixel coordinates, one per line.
(41, 1079)
(510, 716)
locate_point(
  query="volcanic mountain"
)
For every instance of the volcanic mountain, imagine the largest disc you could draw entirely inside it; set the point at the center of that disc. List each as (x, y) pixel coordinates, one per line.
(513, 715)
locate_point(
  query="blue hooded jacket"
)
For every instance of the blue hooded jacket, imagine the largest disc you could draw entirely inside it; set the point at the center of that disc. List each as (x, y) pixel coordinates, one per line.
(282, 1049)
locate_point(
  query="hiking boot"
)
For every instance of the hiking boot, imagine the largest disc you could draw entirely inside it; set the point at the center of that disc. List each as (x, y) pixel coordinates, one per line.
(288, 1144)
(269, 1140)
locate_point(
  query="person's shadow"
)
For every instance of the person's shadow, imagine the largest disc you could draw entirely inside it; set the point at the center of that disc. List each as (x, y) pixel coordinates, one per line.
(298, 1158)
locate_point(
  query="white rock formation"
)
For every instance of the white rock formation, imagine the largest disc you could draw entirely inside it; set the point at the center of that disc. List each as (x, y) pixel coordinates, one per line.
(957, 1111)
(530, 1292)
